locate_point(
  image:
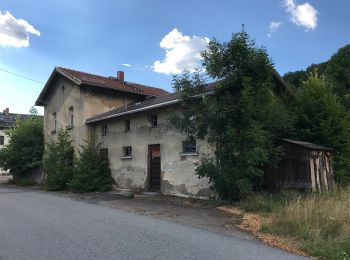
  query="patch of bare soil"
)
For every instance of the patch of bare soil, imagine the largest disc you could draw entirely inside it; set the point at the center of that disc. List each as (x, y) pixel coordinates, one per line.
(252, 223)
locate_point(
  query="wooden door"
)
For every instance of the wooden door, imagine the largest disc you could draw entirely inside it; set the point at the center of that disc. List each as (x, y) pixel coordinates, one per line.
(154, 167)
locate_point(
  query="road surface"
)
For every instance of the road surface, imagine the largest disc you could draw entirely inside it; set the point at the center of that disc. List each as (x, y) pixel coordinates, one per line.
(39, 225)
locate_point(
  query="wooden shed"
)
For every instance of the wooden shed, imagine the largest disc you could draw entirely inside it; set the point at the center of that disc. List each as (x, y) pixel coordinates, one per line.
(304, 166)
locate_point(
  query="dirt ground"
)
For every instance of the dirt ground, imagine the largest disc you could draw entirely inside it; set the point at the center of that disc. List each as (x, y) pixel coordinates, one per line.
(196, 213)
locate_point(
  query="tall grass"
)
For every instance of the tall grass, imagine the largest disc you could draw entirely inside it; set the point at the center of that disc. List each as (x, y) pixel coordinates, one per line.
(321, 222)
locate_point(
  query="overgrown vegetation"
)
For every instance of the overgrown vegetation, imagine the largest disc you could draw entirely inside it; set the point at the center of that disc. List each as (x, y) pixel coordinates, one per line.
(322, 119)
(25, 148)
(58, 162)
(320, 222)
(91, 170)
(242, 117)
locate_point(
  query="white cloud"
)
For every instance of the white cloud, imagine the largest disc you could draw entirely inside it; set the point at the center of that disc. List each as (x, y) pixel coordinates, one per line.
(181, 52)
(273, 27)
(126, 65)
(302, 15)
(15, 32)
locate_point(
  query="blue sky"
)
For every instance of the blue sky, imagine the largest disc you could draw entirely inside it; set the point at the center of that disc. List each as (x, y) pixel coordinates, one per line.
(156, 38)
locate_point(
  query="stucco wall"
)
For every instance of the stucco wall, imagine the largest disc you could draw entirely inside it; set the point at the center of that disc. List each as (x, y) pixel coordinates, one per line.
(177, 171)
(86, 103)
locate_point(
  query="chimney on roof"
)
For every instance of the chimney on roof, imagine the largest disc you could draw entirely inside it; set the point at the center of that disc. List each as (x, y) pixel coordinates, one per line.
(120, 75)
(6, 111)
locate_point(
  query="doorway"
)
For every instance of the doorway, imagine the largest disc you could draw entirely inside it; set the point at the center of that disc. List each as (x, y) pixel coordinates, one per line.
(154, 167)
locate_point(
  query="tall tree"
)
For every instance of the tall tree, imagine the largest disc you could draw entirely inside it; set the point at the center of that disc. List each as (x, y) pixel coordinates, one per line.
(322, 119)
(242, 116)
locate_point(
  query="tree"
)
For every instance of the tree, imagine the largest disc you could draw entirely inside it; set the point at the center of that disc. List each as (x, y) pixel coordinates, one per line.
(25, 149)
(58, 162)
(91, 170)
(242, 117)
(322, 119)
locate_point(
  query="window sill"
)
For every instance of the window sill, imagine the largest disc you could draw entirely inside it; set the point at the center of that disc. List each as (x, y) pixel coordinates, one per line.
(189, 154)
(70, 127)
(53, 131)
(126, 157)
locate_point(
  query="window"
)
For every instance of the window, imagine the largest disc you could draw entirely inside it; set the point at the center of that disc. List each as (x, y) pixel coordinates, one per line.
(127, 151)
(71, 116)
(2, 140)
(127, 125)
(54, 121)
(154, 121)
(104, 153)
(189, 146)
(104, 130)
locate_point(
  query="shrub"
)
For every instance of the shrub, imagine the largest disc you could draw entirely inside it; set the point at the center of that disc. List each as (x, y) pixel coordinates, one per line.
(91, 170)
(58, 162)
(26, 147)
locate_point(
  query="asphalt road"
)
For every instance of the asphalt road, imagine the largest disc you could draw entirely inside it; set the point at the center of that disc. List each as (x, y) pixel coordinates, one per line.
(40, 225)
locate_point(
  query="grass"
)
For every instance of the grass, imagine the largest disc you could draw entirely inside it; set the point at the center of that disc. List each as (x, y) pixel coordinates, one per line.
(319, 223)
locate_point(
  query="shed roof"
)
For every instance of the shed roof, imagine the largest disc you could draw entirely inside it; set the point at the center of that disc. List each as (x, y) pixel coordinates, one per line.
(308, 145)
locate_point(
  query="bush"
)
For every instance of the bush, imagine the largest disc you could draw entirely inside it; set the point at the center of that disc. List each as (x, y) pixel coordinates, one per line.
(58, 162)
(91, 170)
(26, 147)
(320, 221)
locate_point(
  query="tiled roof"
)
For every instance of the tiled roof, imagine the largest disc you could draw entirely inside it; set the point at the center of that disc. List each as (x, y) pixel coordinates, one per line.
(9, 119)
(137, 107)
(166, 100)
(88, 79)
(111, 83)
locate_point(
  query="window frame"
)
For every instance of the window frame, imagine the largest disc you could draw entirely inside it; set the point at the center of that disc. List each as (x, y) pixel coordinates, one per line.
(127, 152)
(104, 130)
(71, 116)
(54, 122)
(189, 147)
(154, 120)
(127, 125)
(2, 140)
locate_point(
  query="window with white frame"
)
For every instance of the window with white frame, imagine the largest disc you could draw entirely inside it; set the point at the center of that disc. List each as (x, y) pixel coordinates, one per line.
(71, 116)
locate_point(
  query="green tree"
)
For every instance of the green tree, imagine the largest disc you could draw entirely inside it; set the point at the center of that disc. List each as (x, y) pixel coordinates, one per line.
(242, 117)
(322, 119)
(58, 162)
(25, 149)
(91, 171)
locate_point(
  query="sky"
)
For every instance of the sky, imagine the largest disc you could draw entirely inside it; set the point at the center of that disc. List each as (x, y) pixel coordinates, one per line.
(153, 40)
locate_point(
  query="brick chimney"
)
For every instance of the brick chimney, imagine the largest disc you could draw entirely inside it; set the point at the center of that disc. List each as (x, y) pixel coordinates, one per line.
(120, 75)
(6, 111)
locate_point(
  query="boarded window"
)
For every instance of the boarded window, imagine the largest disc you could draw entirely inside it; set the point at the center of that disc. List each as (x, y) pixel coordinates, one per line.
(2, 140)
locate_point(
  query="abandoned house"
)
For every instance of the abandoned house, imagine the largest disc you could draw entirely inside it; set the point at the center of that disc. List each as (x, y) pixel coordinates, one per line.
(7, 121)
(131, 122)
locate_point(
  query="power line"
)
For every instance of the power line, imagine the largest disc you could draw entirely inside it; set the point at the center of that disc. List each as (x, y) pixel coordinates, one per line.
(21, 76)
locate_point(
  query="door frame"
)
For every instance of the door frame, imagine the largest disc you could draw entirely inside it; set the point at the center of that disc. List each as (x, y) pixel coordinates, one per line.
(149, 157)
